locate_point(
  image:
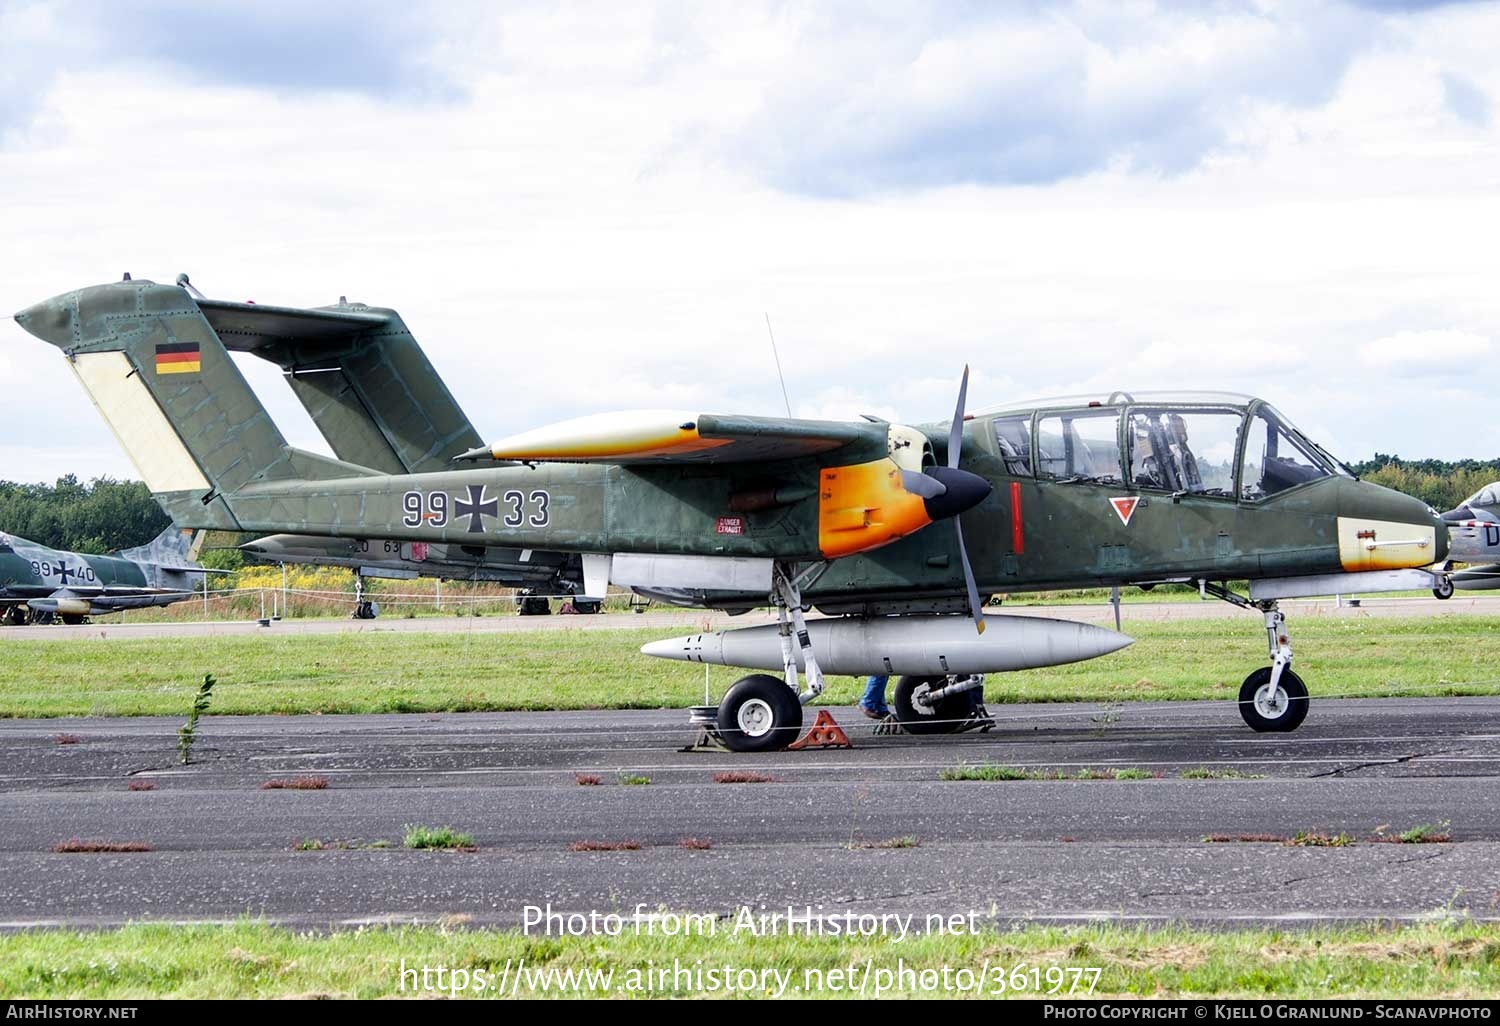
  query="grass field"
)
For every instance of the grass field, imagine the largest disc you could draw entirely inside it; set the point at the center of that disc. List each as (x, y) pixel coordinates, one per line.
(255, 961)
(568, 669)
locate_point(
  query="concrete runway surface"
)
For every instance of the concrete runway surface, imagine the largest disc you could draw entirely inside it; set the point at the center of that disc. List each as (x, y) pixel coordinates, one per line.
(1048, 850)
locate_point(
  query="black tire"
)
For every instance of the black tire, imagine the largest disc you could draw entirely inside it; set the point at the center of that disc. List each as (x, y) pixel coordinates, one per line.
(532, 605)
(15, 616)
(41, 617)
(73, 619)
(945, 718)
(1444, 589)
(760, 713)
(587, 606)
(1293, 706)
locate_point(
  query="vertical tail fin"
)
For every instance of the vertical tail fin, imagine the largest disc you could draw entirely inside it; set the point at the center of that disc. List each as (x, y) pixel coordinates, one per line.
(174, 398)
(174, 547)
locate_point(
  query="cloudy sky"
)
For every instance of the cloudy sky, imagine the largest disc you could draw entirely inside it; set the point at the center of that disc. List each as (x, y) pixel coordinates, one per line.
(587, 207)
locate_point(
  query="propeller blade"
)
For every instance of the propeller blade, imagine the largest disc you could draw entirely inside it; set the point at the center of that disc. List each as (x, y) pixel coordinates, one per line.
(975, 610)
(922, 485)
(956, 429)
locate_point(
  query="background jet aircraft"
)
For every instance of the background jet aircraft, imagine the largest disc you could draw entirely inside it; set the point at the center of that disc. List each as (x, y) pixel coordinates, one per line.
(544, 573)
(1474, 527)
(38, 583)
(730, 510)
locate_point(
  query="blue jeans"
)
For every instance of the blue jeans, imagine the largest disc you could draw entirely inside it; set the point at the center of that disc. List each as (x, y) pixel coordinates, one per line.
(874, 696)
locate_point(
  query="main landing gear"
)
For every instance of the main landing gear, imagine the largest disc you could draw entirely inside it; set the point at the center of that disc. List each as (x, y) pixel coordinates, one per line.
(761, 713)
(941, 705)
(1273, 699)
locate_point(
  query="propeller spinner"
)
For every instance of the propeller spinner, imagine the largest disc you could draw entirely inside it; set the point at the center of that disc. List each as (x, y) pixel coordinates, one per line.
(948, 491)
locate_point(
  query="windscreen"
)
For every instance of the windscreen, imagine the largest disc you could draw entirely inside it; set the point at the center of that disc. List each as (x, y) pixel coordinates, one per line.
(1275, 458)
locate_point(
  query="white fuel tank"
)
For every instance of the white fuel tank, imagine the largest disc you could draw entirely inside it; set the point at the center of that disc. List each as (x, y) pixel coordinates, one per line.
(919, 645)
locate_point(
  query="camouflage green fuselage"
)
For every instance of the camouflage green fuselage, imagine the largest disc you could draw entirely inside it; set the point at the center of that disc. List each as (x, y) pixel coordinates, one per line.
(1068, 534)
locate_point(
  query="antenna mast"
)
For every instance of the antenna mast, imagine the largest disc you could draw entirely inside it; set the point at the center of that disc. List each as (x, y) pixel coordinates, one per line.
(780, 376)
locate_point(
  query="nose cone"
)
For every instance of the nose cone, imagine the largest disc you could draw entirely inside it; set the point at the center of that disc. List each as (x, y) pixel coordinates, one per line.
(963, 491)
(50, 320)
(1383, 529)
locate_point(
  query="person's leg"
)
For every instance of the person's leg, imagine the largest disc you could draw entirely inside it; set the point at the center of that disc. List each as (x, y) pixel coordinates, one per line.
(873, 700)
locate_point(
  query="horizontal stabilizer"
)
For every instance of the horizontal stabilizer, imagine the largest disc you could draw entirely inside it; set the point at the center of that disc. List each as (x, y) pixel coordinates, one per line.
(247, 327)
(360, 374)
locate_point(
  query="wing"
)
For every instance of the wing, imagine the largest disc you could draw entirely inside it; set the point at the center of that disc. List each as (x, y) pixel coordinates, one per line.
(666, 436)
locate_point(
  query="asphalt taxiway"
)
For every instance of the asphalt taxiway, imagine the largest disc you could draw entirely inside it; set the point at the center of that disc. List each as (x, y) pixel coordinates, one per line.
(872, 829)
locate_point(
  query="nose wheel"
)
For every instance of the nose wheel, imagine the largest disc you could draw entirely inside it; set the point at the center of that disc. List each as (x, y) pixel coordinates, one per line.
(1273, 699)
(364, 609)
(1273, 708)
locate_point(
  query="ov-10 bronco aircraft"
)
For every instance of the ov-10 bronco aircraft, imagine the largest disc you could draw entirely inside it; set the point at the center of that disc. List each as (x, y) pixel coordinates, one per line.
(895, 532)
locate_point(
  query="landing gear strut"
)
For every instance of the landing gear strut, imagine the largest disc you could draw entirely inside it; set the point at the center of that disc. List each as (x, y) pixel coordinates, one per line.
(1273, 699)
(364, 609)
(760, 713)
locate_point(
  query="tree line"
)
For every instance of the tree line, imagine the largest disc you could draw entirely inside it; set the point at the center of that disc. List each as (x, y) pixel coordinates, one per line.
(97, 517)
(1442, 484)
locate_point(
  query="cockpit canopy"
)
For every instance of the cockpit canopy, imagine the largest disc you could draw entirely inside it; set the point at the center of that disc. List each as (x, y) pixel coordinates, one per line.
(1211, 443)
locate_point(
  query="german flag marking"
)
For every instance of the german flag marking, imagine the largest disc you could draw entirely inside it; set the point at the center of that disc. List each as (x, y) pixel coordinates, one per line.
(178, 358)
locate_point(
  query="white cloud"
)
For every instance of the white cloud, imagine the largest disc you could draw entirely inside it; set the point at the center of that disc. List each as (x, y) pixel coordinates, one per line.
(571, 237)
(1457, 352)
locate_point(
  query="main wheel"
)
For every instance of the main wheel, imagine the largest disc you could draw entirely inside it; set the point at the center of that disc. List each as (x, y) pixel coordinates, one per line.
(1444, 588)
(15, 616)
(919, 716)
(1271, 712)
(759, 714)
(73, 619)
(587, 605)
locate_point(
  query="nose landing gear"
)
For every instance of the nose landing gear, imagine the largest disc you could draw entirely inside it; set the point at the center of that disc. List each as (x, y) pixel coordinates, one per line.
(1273, 699)
(364, 609)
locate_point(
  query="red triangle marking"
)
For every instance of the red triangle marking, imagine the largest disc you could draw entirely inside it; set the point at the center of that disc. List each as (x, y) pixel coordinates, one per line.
(1125, 507)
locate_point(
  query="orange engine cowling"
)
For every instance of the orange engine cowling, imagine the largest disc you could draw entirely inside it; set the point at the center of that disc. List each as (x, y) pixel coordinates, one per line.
(864, 506)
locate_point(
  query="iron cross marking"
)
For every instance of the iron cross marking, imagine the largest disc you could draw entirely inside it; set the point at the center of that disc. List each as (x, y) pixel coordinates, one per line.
(64, 571)
(476, 507)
